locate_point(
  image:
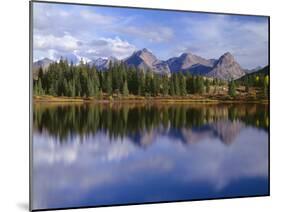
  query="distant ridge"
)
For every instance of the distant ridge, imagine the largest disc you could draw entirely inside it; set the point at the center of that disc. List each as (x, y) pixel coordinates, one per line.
(225, 68)
(262, 72)
(44, 64)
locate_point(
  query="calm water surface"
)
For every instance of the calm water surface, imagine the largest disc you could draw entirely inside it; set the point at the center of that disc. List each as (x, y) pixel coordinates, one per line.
(94, 154)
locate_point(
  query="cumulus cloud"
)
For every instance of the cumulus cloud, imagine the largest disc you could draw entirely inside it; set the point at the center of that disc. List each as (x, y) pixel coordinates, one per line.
(71, 32)
(75, 33)
(74, 49)
(106, 47)
(64, 43)
(117, 32)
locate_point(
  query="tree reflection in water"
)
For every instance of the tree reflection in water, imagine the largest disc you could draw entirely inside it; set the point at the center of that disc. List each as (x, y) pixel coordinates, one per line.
(186, 121)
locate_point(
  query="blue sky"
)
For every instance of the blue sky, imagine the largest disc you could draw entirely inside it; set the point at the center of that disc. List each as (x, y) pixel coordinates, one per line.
(89, 32)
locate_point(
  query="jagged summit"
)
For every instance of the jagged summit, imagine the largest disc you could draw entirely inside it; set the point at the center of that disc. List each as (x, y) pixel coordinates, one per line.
(226, 67)
(146, 60)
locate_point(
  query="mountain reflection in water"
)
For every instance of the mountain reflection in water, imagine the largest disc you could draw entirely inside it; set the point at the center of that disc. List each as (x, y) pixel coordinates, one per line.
(100, 154)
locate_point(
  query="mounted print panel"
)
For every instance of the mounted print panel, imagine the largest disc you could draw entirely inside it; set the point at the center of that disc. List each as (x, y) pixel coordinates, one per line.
(135, 106)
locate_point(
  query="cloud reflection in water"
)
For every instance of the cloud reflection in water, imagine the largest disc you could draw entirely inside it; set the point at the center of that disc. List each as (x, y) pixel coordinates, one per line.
(68, 174)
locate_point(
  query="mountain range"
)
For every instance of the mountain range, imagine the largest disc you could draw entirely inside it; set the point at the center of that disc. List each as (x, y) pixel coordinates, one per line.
(44, 63)
(225, 68)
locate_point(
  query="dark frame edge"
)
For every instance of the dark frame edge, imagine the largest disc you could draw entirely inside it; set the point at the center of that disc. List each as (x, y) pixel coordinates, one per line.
(269, 105)
(30, 103)
(153, 203)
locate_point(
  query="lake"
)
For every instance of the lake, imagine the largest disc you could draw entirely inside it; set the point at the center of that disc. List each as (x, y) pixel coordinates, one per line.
(106, 154)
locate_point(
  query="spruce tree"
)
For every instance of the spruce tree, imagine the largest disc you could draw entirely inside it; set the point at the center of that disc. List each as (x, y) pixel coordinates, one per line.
(182, 84)
(141, 83)
(125, 90)
(165, 85)
(207, 84)
(199, 85)
(172, 88)
(148, 82)
(231, 89)
(40, 89)
(177, 85)
(108, 81)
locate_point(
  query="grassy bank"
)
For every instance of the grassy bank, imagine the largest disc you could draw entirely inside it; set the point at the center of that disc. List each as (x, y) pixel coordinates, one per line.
(164, 99)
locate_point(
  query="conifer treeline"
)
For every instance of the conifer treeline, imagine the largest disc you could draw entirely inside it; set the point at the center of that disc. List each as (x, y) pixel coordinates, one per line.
(127, 120)
(64, 79)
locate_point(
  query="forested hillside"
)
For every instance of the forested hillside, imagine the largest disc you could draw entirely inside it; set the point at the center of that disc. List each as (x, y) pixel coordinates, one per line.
(64, 79)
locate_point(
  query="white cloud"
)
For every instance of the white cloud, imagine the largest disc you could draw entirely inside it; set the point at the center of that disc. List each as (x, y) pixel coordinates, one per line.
(71, 32)
(70, 47)
(64, 43)
(206, 35)
(105, 47)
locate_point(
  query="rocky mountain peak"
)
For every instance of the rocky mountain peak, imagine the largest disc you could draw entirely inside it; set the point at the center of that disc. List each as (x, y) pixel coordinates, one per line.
(146, 55)
(144, 59)
(226, 68)
(226, 58)
(44, 63)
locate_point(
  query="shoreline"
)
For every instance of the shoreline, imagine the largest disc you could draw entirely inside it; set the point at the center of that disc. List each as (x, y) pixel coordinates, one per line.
(140, 99)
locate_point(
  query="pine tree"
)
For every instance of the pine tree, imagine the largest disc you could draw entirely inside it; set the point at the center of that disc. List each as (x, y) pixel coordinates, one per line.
(247, 85)
(207, 84)
(132, 80)
(125, 90)
(39, 88)
(148, 82)
(40, 73)
(94, 82)
(182, 84)
(176, 84)
(65, 87)
(231, 89)
(141, 83)
(35, 89)
(165, 85)
(172, 88)
(72, 88)
(156, 84)
(199, 85)
(194, 87)
(108, 86)
(91, 88)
